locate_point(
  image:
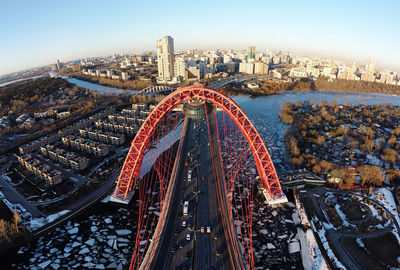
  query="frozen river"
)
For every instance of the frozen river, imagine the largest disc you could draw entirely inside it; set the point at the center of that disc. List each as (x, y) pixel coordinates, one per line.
(97, 87)
(264, 113)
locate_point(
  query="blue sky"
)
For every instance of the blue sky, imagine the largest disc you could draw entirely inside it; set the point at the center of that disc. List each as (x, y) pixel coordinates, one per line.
(35, 33)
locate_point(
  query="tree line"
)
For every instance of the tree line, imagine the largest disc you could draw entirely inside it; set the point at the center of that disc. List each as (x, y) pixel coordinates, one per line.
(9, 230)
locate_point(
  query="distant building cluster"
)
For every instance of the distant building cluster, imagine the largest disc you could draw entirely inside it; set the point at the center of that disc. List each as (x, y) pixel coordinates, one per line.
(196, 65)
(174, 67)
(107, 73)
(73, 146)
(57, 66)
(36, 144)
(28, 120)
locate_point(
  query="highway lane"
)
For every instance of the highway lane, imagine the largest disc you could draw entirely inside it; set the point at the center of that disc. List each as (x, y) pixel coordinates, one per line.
(237, 259)
(168, 255)
(203, 250)
(211, 251)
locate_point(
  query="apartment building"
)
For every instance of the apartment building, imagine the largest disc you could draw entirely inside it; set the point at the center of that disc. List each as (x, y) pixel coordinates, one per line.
(165, 58)
(126, 119)
(70, 159)
(102, 136)
(36, 144)
(139, 106)
(42, 170)
(86, 145)
(116, 127)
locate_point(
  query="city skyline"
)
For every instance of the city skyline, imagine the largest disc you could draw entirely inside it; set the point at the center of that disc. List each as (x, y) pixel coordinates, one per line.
(41, 33)
(208, 135)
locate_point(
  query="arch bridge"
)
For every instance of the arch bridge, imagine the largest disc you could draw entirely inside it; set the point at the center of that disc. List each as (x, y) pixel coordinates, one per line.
(161, 164)
(156, 89)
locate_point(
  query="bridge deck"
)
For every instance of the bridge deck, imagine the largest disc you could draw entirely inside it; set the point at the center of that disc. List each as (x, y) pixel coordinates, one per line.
(203, 250)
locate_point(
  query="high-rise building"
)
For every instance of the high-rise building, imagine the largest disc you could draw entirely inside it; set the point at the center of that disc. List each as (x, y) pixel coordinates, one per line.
(59, 65)
(346, 74)
(124, 76)
(370, 67)
(260, 68)
(247, 68)
(251, 53)
(386, 78)
(165, 58)
(227, 59)
(180, 67)
(368, 77)
(202, 68)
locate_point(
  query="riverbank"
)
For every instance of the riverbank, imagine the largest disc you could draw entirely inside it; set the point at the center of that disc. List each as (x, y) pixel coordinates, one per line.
(5, 83)
(43, 226)
(101, 89)
(269, 87)
(123, 85)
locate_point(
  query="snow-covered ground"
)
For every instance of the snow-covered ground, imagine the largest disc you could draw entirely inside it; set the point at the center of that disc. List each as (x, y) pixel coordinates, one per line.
(36, 223)
(388, 201)
(343, 217)
(328, 250)
(310, 253)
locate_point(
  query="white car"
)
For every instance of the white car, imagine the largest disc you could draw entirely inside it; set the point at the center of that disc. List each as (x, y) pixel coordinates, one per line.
(208, 229)
(184, 223)
(188, 237)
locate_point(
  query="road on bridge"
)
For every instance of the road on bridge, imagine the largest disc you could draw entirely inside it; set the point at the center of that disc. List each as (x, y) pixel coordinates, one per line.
(207, 247)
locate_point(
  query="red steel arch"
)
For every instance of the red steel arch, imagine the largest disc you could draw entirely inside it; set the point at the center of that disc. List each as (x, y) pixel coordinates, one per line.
(131, 169)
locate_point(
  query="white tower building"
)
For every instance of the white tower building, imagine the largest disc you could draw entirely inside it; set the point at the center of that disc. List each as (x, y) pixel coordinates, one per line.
(165, 57)
(180, 67)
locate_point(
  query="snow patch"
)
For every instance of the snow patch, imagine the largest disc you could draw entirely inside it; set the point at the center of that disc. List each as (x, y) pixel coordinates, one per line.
(36, 223)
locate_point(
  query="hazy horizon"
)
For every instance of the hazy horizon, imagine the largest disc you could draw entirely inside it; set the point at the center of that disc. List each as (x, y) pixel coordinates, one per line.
(40, 33)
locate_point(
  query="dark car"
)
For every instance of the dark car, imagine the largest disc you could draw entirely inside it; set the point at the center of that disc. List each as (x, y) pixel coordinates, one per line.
(181, 244)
